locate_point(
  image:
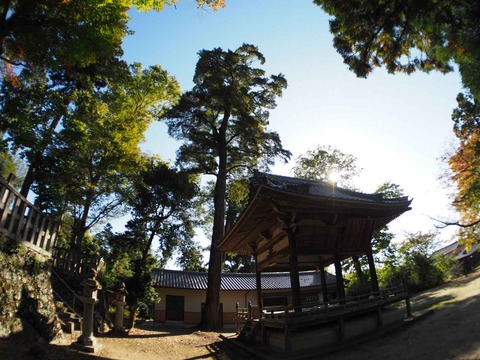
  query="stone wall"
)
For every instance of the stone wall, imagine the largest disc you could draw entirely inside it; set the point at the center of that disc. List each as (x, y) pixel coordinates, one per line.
(27, 306)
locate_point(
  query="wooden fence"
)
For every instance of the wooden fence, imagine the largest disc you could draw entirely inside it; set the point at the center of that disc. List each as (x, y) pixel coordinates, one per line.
(21, 221)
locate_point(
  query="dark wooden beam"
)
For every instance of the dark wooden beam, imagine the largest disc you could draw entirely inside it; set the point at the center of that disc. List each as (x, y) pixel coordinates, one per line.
(339, 276)
(294, 273)
(323, 279)
(258, 283)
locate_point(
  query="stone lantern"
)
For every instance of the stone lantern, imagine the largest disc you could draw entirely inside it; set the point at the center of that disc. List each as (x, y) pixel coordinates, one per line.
(120, 303)
(87, 342)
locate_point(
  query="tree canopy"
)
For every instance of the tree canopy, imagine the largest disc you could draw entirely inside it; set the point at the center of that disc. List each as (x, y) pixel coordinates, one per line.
(464, 163)
(223, 123)
(408, 36)
(325, 162)
(163, 208)
(87, 165)
(72, 35)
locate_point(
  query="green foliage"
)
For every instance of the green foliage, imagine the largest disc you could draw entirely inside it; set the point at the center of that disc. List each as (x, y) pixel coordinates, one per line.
(73, 35)
(237, 263)
(190, 258)
(163, 207)
(353, 284)
(125, 263)
(464, 164)
(7, 165)
(227, 113)
(325, 162)
(390, 275)
(412, 260)
(10, 246)
(448, 266)
(406, 36)
(139, 286)
(382, 238)
(84, 161)
(11, 163)
(145, 5)
(390, 190)
(69, 34)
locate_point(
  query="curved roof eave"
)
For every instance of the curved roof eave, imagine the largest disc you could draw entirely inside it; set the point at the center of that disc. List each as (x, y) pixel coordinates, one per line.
(398, 205)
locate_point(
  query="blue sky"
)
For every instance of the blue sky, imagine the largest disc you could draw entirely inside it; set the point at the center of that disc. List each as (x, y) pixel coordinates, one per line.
(396, 125)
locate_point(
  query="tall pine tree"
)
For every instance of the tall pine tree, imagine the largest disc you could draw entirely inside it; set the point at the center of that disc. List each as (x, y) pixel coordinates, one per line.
(223, 122)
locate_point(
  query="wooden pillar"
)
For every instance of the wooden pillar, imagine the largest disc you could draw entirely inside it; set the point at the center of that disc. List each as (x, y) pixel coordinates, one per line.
(323, 280)
(373, 271)
(407, 297)
(258, 283)
(408, 307)
(339, 276)
(258, 278)
(294, 273)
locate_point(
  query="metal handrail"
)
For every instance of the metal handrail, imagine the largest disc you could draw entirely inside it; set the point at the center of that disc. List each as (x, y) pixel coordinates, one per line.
(75, 296)
(68, 306)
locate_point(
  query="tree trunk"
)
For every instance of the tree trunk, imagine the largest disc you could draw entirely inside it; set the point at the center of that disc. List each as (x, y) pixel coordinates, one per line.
(132, 317)
(79, 228)
(361, 276)
(211, 319)
(31, 175)
(28, 180)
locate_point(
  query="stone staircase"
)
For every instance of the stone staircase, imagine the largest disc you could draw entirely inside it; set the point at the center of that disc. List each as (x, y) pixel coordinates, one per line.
(249, 332)
(67, 303)
(69, 320)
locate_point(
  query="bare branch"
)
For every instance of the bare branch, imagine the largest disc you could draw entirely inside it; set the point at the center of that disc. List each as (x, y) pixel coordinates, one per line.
(444, 224)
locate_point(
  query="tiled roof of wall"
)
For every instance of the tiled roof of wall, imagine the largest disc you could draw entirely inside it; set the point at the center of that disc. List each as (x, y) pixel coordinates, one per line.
(234, 281)
(458, 250)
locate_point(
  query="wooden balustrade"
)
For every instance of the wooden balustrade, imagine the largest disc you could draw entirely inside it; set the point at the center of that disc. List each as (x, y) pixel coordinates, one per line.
(280, 316)
(21, 221)
(76, 262)
(246, 315)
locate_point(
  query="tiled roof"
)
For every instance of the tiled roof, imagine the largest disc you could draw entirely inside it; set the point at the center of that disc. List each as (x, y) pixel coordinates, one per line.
(319, 188)
(458, 250)
(234, 281)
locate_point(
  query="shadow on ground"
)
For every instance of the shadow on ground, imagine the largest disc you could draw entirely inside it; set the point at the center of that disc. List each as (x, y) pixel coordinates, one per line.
(26, 350)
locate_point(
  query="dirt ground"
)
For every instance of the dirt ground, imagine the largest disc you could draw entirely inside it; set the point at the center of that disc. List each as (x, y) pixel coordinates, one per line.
(451, 332)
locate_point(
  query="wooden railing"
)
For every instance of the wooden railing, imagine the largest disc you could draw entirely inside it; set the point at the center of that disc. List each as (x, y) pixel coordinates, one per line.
(334, 313)
(246, 315)
(21, 221)
(76, 262)
(280, 316)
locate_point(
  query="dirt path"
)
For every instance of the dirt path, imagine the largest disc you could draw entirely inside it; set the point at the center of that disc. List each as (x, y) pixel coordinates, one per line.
(451, 332)
(170, 342)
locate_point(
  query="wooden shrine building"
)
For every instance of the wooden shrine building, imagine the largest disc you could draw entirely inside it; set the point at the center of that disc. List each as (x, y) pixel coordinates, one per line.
(295, 225)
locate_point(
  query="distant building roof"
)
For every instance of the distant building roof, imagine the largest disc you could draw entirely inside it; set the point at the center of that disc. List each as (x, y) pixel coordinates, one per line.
(235, 281)
(458, 250)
